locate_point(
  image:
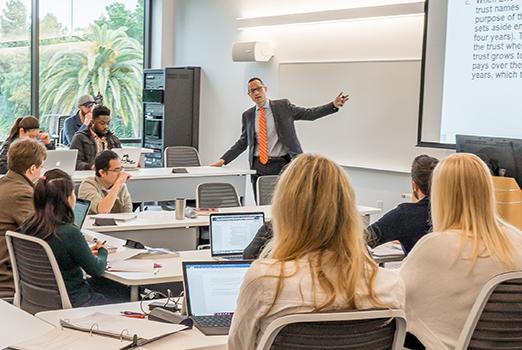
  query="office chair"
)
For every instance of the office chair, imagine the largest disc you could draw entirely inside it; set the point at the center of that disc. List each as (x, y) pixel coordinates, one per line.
(265, 187)
(39, 284)
(345, 330)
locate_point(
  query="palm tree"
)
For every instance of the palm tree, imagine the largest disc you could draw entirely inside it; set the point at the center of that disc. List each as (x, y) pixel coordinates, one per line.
(112, 66)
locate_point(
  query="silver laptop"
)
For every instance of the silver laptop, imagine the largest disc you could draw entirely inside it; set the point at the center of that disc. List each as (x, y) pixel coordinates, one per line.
(231, 233)
(211, 291)
(63, 159)
(129, 157)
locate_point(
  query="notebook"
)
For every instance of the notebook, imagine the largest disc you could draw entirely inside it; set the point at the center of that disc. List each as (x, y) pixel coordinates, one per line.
(101, 331)
(230, 233)
(129, 157)
(80, 211)
(63, 159)
(211, 291)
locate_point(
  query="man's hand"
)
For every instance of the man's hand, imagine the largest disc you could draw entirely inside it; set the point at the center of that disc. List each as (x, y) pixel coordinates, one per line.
(122, 178)
(339, 101)
(219, 163)
(87, 119)
(45, 138)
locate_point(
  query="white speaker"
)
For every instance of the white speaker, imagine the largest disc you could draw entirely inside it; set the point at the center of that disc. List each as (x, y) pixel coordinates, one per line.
(252, 51)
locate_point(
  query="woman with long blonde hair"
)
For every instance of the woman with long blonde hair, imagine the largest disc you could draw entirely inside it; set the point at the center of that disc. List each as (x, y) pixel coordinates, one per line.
(317, 259)
(469, 245)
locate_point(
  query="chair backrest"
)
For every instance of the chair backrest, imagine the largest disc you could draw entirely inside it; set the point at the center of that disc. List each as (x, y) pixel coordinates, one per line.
(39, 284)
(373, 329)
(181, 156)
(59, 128)
(216, 195)
(495, 320)
(265, 188)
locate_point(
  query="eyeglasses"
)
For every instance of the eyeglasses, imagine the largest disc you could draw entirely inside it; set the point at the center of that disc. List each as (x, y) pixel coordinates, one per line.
(259, 88)
(116, 170)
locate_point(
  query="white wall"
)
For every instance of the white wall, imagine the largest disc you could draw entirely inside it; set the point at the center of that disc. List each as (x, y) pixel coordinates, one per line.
(206, 29)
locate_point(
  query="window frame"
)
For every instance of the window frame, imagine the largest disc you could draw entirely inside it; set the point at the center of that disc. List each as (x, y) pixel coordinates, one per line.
(35, 55)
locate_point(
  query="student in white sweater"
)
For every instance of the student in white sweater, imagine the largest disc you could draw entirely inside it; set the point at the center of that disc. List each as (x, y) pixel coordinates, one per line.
(446, 269)
(317, 259)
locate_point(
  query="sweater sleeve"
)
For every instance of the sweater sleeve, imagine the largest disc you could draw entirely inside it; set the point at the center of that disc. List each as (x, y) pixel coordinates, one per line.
(82, 254)
(386, 229)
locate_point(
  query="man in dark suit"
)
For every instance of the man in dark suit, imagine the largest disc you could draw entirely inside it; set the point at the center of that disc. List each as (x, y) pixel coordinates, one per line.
(269, 132)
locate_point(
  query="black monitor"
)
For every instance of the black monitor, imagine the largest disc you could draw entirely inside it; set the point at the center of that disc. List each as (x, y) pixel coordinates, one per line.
(502, 155)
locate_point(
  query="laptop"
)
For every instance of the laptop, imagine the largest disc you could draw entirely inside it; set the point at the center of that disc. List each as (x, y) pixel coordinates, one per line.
(231, 233)
(211, 291)
(80, 211)
(63, 159)
(129, 157)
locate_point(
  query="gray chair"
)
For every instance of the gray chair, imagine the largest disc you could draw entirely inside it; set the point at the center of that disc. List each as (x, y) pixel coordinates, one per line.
(60, 122)
(39, 284)
(373, 329)
(181, 156)
(265, 188)
(216, 195)
(495, 320)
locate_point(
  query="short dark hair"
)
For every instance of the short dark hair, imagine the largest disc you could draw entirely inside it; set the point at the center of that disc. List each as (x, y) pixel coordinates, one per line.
(23, 153)
(254, 79)
(100, 110)
(102, 161)
(421, 170)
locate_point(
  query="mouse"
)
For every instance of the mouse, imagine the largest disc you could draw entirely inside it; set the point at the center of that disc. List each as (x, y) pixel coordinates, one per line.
(190, 213)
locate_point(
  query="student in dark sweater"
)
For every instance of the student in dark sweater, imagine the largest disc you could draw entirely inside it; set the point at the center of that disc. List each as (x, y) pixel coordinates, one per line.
(54, 222)
(408, 222)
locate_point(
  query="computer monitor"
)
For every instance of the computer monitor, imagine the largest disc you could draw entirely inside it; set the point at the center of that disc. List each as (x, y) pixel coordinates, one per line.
(212, 287)
(230, 233)
(80, 211)
(503, 156)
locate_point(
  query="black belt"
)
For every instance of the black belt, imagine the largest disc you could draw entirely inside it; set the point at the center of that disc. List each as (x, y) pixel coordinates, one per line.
(285, 158)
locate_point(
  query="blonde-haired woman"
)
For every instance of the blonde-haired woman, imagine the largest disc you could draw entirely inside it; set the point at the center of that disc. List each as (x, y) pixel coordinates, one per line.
(317, 259)
(446, 270)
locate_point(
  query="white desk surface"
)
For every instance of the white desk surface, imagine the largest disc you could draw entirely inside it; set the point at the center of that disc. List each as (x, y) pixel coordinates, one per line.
(162, 173)
(18, 325)
(188, 339)
(154, 220)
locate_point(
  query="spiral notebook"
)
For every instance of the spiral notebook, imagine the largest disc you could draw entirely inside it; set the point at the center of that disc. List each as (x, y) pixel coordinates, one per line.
(117, 332)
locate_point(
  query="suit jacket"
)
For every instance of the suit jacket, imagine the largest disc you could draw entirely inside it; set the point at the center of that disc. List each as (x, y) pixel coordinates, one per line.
(16, 205)
(285, 113)
(86, 146)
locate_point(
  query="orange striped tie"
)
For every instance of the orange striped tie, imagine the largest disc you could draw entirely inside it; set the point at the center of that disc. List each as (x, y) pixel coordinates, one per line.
(263, 143)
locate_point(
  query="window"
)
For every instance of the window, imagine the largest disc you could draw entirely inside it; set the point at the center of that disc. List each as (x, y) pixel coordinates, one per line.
(85, 47)
(15, 62)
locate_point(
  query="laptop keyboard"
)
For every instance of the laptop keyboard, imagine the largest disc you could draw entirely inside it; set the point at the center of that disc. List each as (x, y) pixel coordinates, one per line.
(214, 321)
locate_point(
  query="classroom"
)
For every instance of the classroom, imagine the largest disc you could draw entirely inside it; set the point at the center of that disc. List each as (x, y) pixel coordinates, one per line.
(285, 174)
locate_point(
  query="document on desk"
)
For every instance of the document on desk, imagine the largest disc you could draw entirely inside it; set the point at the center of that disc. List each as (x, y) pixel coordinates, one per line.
(144, 266)
(58, 339)
(123, 253)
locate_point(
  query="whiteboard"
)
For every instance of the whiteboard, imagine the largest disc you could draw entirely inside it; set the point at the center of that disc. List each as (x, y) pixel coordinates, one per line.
(377, 128)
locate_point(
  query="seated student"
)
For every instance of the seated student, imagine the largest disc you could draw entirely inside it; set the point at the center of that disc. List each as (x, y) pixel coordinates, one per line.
(25, 159)
(409, 221)
(446, 269)
(107, 190)
(24, 127)
(94, 140)
(79, 121)
(53, 221)
(317, 260)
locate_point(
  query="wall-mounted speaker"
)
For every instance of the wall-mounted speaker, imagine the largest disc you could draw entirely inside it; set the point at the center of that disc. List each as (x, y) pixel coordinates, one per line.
(252, 51)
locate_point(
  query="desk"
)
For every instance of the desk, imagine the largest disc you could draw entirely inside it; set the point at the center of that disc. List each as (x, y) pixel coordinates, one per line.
(189, 339)
(159, 184)
(161, 229)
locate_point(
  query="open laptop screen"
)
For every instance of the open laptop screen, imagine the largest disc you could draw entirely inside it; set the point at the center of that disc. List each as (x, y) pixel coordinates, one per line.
(231, 233)
(212, 287)
(80, 211)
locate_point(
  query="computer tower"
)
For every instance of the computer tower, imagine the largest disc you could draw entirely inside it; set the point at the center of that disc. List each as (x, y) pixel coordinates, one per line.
(170, 110)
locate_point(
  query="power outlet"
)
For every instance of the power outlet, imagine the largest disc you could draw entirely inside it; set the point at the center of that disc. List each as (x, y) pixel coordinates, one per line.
(380, 204)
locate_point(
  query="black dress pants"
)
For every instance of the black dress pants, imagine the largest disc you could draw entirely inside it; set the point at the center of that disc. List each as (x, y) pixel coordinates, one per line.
(274, 167)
